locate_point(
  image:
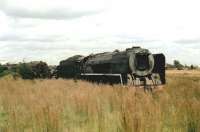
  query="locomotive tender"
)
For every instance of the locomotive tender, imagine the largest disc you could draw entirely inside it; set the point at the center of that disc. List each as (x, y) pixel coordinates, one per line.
(135, 66)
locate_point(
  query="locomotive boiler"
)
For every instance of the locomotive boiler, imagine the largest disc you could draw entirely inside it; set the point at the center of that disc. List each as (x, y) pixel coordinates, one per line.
(134, 65)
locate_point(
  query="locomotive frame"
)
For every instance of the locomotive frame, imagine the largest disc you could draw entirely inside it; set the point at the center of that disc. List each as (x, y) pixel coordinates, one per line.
(136, 66)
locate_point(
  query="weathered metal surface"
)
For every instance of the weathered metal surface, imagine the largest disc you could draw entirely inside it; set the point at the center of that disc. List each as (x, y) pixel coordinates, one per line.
(135, 62)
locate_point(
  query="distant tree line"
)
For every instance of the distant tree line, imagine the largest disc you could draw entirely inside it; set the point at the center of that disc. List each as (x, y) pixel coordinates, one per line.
(177, 65)
(31, 70)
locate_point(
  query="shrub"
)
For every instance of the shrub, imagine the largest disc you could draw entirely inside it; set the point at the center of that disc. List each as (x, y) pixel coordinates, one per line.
(25, 71)
(178, 65)
(3, 68)
(34, 70)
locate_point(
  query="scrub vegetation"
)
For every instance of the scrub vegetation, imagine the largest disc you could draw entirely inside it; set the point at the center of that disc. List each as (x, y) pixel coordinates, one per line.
(77, 106)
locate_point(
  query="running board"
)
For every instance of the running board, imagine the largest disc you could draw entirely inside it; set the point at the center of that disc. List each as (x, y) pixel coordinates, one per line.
(102, 74)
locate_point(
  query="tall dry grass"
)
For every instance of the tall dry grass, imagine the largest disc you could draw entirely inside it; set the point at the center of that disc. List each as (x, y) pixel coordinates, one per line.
(67, 106)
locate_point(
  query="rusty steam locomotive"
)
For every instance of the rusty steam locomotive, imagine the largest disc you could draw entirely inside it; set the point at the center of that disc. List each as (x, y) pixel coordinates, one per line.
(135, 66)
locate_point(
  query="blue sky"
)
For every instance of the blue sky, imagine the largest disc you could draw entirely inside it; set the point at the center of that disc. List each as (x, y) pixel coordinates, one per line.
(54, 30)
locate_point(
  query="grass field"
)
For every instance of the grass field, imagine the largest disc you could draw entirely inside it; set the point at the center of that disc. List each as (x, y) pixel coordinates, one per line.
(67, 106)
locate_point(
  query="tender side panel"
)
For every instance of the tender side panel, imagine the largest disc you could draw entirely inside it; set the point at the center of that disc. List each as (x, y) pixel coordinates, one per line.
(160, 66)
(69, 68)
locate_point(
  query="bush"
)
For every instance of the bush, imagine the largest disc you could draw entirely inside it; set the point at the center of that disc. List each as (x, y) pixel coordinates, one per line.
(25, 71)
(40, 69)
(178, 65)
(34, 70)
(4, 73)
(3, 68)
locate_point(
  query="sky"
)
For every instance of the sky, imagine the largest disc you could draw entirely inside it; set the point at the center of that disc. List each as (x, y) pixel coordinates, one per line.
(54, 30)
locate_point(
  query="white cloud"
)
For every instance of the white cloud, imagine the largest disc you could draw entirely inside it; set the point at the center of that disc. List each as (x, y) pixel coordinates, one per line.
(45, 9)
(54, 30)
(3, 23)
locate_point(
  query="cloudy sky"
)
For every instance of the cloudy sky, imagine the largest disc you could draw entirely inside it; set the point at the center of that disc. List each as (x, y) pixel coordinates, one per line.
(54, 30)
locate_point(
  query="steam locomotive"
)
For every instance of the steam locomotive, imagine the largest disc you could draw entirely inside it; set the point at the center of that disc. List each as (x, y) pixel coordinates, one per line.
(134, 65)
